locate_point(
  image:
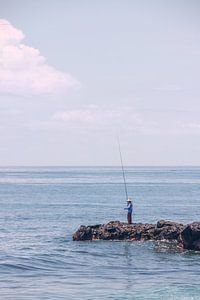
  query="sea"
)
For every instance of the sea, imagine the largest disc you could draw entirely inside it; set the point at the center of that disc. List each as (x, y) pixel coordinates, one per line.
(41, 207)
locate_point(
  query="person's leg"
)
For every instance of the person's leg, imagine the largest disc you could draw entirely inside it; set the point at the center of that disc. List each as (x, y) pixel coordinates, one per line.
(129, 218)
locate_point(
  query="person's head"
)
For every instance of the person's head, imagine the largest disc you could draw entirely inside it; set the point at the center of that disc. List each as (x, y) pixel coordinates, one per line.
(129, 200)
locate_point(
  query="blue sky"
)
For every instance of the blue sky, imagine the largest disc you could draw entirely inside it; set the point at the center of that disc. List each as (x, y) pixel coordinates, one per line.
(75, 74)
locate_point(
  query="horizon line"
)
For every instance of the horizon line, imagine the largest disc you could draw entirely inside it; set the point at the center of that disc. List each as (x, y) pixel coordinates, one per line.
(94, 166)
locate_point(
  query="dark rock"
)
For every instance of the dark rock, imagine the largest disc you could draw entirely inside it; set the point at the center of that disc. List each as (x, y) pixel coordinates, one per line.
(191, 236)
(163, 223)
(196, 245)
(83, 233)
(185, 237)
(167, 230)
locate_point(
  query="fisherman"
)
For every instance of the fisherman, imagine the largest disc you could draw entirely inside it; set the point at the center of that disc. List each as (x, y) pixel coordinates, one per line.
(130, 209)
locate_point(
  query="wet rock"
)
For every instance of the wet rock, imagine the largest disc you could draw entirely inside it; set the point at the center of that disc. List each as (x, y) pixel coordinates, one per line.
(116, 230)
(185, 237)
(83, 233)
(196, 245)
(167, 230)
(163, 223)
(191, 236)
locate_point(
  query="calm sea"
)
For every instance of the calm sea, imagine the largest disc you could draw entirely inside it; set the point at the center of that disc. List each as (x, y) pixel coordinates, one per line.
(42, 207)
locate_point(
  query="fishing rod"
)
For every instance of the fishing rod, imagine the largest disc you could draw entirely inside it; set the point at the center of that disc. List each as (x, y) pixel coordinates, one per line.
(122, 166)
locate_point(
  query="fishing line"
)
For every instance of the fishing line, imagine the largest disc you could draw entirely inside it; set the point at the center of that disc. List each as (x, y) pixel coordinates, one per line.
(122, 166)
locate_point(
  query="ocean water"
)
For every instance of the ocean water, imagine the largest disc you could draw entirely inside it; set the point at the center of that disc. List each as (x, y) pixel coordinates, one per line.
(42, 206)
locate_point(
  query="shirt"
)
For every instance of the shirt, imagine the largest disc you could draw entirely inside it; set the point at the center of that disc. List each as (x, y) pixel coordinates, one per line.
(130, 208)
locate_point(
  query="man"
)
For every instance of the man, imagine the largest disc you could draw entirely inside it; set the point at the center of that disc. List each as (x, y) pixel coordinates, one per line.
(130, 209)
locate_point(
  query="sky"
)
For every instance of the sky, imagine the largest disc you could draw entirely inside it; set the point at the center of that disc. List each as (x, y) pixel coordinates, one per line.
(75, 75)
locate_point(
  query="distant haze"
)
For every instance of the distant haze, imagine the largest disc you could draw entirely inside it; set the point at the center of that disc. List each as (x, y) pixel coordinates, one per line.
(74, 75)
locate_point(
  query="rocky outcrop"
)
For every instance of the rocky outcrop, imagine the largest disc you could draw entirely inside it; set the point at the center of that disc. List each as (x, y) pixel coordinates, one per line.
(187, 237)
(191, 236)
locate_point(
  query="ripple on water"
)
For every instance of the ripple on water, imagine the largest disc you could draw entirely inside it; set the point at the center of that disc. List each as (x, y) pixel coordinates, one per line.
(42, 207)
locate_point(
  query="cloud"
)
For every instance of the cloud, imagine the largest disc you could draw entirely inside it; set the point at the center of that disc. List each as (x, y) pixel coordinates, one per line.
(95, 117)
(125, 119)
(77, 115)
(23, 70)
(191, 126)
(168, 88)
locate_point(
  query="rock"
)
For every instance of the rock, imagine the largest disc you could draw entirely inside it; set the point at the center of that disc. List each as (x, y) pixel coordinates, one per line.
(163, 223)
(185, 237)
(83, 233)
(191, 236)
(196, 245)
(167, 230)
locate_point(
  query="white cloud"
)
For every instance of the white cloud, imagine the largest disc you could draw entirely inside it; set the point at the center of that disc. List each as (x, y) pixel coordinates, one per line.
(124, 119)
(83, 116)
(24, 70)
(95, 117)
(190, 126)
(168, 88)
